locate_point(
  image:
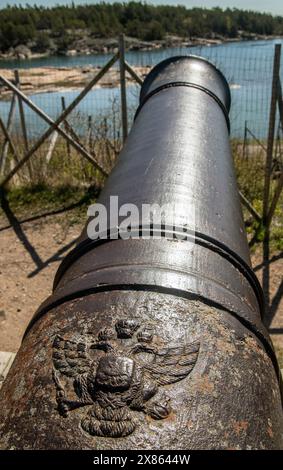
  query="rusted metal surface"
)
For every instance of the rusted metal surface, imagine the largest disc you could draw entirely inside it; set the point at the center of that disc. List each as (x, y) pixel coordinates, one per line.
(226, 399)
(150, 343)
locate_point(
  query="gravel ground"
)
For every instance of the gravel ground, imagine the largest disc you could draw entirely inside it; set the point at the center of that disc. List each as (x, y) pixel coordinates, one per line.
(30, 259)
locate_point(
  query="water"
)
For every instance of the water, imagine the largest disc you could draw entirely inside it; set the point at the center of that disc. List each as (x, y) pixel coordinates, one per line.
(56, 61)
(99, 103)
(256, 48)
(246, 65)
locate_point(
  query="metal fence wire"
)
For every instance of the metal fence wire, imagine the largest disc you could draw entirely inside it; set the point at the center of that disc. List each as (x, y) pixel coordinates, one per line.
(97, 123)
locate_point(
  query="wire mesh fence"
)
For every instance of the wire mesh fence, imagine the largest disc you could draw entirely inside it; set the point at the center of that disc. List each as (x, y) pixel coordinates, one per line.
(96, 122)
(247, 66)
(249, 69)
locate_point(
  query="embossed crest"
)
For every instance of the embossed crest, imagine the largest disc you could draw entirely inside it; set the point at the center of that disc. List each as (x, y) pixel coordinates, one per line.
(118, 373)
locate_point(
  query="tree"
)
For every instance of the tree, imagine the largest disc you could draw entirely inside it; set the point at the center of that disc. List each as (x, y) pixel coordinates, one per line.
(138, 19)
(43, 42)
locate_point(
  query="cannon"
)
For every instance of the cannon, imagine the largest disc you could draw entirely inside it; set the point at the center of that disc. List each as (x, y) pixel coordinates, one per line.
(153, 337)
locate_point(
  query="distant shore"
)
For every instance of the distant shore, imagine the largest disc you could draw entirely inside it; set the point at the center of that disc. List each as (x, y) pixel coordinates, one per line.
(52, 79)
(110, 46)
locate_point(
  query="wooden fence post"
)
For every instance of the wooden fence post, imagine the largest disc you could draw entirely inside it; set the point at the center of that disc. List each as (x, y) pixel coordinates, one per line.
(23, 122)
(55, 125)
(245, 154)
(9, 126)
(123, 86)
(51, 147)
(8, 138)
(21, 110)
(267, 175)
(279, 186)
(63, 103)
(271, 131)
(89, 132)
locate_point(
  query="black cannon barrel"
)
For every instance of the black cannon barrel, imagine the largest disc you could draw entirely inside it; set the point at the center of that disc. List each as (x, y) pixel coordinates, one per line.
(155, 340)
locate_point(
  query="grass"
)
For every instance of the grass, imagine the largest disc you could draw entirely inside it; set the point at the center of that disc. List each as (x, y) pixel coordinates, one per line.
(68, 202)
(279, 355)
(250, 176)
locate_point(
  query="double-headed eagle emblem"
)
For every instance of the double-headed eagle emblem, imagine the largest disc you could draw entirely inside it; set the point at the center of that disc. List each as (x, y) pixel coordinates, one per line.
(117, 373)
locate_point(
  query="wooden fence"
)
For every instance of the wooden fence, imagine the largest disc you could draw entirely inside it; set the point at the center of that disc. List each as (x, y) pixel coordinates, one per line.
(60, 126)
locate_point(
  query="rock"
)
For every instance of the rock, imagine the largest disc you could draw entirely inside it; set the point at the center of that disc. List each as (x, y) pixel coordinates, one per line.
(110, 43)
(10, 52)
(71, 52)
(22, 52)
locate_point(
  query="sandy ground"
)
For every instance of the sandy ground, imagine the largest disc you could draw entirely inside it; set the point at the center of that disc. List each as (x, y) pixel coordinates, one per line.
(30, 258)
(28, 264)
(52, 79)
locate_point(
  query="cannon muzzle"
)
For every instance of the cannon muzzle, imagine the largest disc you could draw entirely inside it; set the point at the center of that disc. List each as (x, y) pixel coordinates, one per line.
(153, 337)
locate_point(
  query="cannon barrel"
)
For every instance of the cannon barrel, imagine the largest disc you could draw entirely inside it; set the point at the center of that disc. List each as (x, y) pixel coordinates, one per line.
(153, 337)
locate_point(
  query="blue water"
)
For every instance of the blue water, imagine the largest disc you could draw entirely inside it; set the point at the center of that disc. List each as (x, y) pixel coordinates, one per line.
(147, 57)
(99, 104)
(247, 66)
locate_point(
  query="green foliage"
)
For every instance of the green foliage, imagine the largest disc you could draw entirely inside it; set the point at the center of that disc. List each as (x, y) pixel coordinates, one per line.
(43, 42)
(19, 25)
(64, 42)
(279, 353)
(250, 173)
(37, 198)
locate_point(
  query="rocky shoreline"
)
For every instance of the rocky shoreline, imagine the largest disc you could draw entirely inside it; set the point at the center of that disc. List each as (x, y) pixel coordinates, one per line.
(50, 79)
(88, 46)
(56, 79)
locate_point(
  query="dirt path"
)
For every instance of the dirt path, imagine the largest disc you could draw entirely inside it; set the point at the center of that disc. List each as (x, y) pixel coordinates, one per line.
(30, 258)
(26, 275)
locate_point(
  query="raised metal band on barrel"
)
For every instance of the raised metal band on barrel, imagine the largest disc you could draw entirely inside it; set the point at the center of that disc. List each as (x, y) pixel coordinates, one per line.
(189, 85)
